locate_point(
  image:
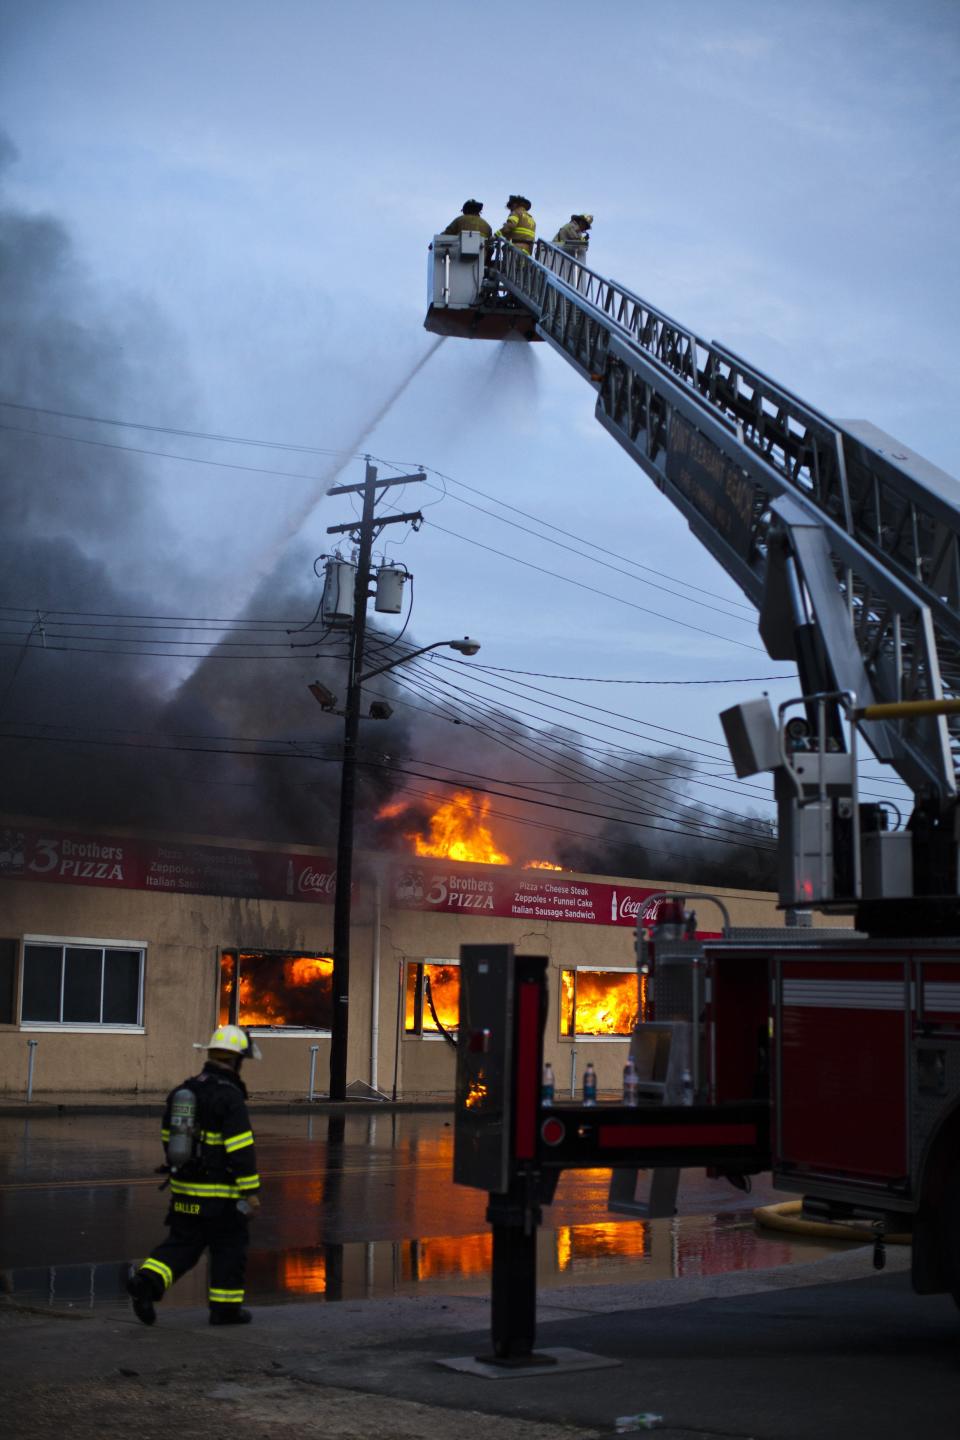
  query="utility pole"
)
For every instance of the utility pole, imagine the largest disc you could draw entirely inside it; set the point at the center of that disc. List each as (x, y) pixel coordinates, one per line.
(364, 533)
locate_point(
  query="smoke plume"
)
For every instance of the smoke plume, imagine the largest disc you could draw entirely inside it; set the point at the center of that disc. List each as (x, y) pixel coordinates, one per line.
(115, 709)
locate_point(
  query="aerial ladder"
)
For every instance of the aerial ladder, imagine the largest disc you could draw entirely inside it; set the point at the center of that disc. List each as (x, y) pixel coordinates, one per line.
(845, 540)
(829, 1057)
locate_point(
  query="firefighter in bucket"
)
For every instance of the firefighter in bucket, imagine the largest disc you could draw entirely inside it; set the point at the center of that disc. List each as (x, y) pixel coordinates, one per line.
(213, 1180)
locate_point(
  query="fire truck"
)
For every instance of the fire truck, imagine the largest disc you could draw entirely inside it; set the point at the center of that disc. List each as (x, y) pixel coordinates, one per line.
(827, 1056)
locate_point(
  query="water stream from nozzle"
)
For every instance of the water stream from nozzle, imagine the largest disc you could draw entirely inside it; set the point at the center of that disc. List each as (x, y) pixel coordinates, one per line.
(306, 508)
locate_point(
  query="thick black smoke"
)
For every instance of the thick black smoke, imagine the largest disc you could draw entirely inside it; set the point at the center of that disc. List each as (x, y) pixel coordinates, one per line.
(131, 736)
(235, 745)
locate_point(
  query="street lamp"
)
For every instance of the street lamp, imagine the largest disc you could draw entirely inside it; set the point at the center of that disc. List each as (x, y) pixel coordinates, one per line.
(341, 902)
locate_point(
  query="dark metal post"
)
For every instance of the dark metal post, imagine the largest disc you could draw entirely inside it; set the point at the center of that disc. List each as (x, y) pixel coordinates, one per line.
(513, 1290)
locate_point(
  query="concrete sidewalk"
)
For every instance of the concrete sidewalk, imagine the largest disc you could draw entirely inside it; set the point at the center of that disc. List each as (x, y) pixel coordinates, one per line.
(827, 1350)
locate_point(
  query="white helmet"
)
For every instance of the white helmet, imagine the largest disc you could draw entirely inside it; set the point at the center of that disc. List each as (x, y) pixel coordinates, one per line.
(234, 1040)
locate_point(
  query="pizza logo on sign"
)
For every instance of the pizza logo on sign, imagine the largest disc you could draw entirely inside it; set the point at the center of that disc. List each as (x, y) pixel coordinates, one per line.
(12, 847)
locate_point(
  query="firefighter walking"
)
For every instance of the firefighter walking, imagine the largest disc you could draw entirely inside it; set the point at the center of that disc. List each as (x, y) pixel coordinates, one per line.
(211, 1161)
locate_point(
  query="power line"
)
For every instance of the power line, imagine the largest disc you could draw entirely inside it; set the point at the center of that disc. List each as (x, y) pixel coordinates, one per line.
(341, 453)
(605, 680)
(391, 769)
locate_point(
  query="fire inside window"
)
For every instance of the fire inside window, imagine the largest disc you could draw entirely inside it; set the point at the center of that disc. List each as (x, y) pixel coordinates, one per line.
(281, 989)
(444, 978)
(597, 1002)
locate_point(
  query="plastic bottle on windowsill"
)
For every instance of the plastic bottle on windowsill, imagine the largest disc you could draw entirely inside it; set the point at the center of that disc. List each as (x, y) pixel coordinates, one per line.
(589, 1084)
(548, 1085)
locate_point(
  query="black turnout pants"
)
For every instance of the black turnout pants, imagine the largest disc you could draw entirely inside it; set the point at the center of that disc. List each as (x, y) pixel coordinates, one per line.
(225, 1235)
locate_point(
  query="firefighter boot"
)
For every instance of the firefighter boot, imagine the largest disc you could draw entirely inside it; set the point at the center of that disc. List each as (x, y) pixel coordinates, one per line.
(229, 1315)
(141, 1291)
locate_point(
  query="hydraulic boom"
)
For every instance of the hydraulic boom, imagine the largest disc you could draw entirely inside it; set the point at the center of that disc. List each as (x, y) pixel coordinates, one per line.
(846, 541)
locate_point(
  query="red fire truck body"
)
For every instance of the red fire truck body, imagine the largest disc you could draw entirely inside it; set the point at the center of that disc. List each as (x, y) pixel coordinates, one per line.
(855, 1042)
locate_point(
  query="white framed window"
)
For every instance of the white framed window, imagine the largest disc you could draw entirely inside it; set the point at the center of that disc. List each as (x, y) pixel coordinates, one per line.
(437, 981)
(81, 984)
(598, 1002)
(280, 992)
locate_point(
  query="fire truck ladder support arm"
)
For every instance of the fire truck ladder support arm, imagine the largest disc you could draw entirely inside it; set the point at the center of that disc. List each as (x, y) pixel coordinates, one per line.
(799, 509)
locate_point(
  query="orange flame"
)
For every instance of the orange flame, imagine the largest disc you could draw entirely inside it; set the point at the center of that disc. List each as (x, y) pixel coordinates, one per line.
(392, 809)
(477, 1093)
(458, 831)
(445, 989)
(306, 970)
(597, 1002)
(274, 990)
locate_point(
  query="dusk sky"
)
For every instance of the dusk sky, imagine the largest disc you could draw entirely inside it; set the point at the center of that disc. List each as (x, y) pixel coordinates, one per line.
(249, 191)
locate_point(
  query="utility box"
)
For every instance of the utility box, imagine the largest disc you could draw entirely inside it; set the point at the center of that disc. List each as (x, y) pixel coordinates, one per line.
(752, 737)
(339, 582)
(390, 579)
(456, 270)
(499, 1064)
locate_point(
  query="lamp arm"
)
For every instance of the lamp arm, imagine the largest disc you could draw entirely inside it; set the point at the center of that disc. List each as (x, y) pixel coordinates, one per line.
(400, 660)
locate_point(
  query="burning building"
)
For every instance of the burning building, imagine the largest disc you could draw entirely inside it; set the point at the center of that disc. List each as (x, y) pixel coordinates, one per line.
(119, 950)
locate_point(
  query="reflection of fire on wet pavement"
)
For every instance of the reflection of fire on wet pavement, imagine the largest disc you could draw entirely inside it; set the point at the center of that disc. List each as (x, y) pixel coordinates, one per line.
(621, 1252)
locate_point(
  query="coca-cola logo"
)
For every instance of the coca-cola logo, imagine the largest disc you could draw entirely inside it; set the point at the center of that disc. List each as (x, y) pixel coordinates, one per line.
(630, 909)
(316, 882)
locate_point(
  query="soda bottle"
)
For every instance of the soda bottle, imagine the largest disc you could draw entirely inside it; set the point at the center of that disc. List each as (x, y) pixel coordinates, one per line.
(589, 1084)
(548, 1085)
(631, 1083)
(686, 1088)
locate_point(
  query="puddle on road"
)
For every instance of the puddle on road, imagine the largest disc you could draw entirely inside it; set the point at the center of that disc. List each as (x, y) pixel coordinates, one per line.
(606, 1252)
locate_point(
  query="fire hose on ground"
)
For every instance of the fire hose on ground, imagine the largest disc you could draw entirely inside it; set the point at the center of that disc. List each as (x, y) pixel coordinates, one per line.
(786, 1217)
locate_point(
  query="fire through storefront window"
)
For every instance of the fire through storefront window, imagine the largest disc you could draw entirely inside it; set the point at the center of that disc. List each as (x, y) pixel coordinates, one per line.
(598, 1002)
(281, 989)
(444, 978)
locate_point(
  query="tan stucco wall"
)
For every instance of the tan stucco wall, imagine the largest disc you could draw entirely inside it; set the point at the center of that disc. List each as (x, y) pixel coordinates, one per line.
(184, 935)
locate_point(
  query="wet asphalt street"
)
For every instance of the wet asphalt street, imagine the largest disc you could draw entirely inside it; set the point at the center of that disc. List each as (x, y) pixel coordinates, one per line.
(373, 1216)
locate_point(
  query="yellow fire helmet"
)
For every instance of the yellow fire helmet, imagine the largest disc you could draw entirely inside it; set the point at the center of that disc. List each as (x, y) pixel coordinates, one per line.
(582, 215)
(233, 1040)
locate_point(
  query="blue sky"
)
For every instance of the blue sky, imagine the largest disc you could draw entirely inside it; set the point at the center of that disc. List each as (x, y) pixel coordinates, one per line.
(250, 190)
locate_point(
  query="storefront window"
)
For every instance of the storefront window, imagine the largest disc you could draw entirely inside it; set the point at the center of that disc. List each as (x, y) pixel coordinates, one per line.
(598, 1002)
(276, 989)
(79, 984)
(444, 989)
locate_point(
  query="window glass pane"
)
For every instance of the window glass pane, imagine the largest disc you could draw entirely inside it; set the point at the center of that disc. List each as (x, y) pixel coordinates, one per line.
(284, 988)
(567, 991)
(8, 970)
(121, 987)
(227, 1014)
(445, 993)
(41, 982)
(413, 994)
(82, 973)
(606, 1002)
